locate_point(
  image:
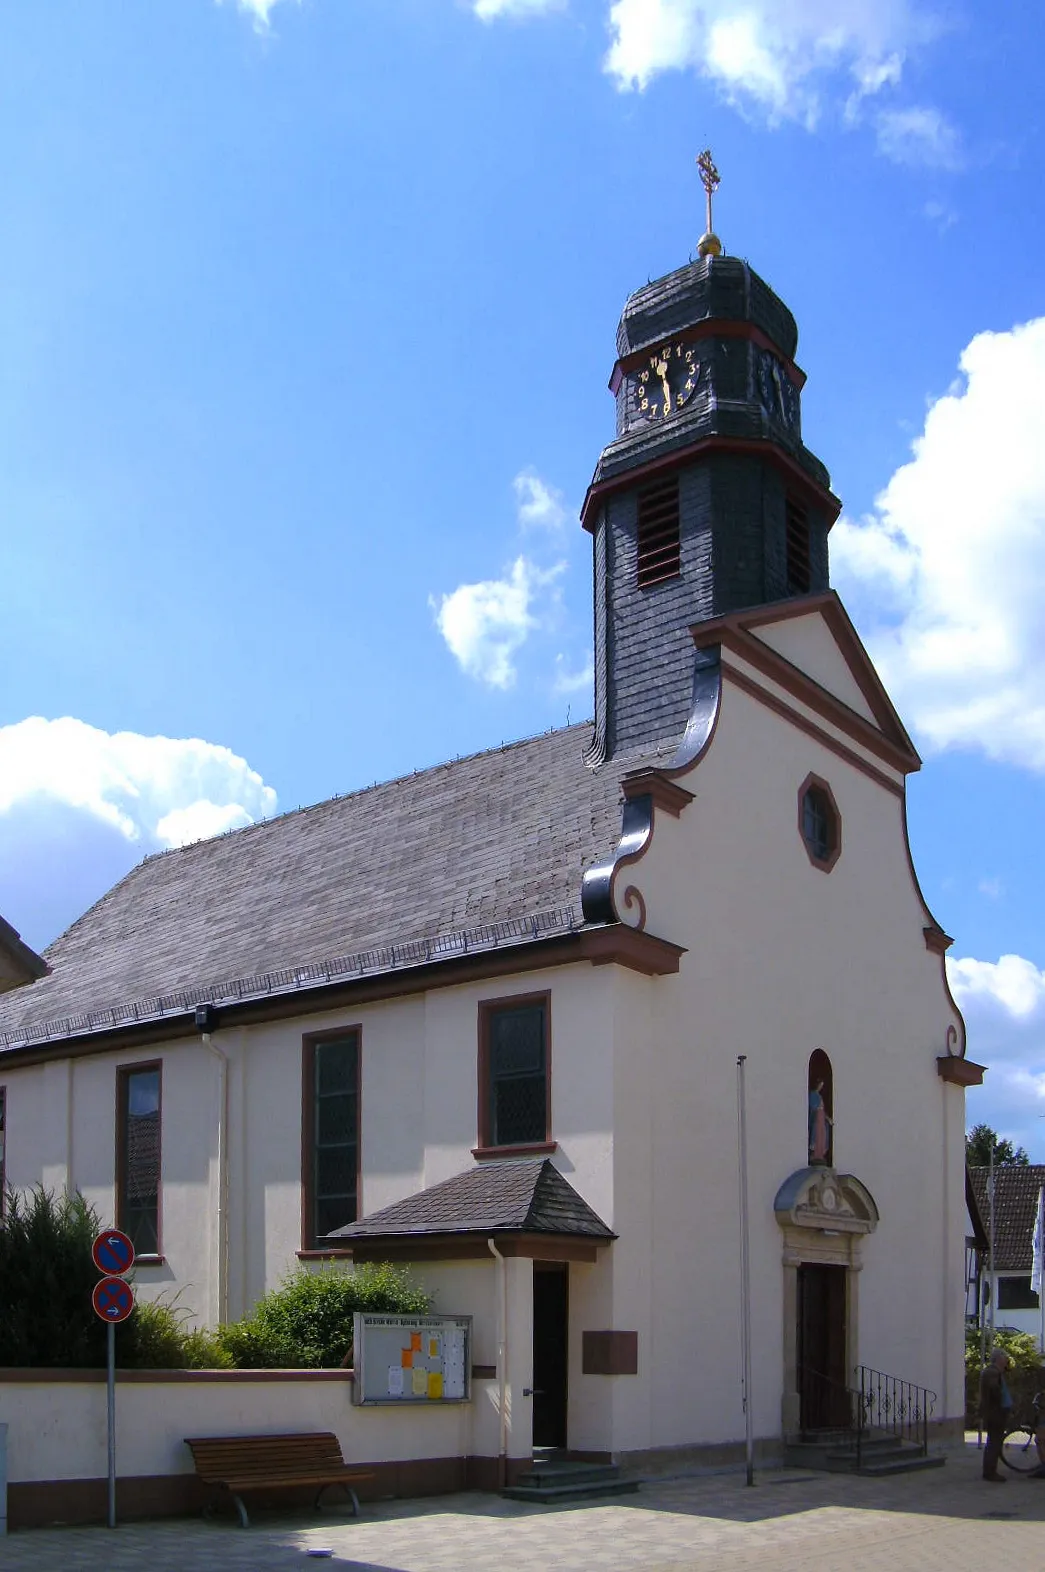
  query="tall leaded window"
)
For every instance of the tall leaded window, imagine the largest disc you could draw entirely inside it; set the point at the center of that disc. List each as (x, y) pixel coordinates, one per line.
(138, 1156)
(514, 1101)
(331, 1155)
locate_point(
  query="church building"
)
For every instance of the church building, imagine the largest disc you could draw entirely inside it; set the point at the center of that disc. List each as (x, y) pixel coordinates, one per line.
(486, 1019)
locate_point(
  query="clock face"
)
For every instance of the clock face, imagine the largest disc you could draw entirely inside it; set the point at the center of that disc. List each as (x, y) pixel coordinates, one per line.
(777, 393)
(665, 381)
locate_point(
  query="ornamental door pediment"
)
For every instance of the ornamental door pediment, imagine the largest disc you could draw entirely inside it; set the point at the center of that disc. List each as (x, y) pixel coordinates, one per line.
(829, 1202)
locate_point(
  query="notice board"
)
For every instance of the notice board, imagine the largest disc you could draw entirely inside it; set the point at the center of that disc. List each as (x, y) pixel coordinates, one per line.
(412, 1359)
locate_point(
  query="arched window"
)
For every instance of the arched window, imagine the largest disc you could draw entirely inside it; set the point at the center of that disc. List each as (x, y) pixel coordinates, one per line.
(821, 1110)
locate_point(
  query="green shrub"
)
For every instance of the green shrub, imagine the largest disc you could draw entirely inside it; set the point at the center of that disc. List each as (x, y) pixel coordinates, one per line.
(46, 1278)
(306, 1323)
(156, 1338)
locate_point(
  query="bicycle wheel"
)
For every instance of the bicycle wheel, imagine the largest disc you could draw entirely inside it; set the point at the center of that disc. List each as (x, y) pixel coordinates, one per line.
(1018, 1451)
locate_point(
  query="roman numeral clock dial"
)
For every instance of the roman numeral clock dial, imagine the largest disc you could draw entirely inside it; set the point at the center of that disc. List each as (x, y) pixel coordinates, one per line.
(665, 381)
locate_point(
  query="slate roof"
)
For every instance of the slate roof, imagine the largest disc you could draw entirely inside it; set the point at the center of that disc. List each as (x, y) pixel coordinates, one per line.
(508, 1195)
(1015, 1208)
(492, 839)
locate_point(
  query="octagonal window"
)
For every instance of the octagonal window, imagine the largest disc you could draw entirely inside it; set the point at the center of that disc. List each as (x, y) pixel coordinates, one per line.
(819, 823)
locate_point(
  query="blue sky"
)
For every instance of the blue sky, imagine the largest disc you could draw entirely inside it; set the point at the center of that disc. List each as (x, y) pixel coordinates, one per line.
(306, 316)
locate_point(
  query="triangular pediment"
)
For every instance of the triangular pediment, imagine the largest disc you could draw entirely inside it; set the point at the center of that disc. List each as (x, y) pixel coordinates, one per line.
(809, 646)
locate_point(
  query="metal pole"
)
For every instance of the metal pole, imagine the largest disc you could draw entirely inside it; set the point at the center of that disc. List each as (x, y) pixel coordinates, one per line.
(745, 1271)
(111, 1403)
(994, 1274)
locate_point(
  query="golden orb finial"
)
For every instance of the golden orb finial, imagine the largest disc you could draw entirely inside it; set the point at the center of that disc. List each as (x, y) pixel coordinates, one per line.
(709, 245)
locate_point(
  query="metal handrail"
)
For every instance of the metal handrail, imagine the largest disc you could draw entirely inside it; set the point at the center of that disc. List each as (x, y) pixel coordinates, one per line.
(877, 1403)
(890, 1403)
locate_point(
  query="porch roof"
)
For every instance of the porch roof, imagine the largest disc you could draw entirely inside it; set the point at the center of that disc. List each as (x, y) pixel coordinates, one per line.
(498, 1196)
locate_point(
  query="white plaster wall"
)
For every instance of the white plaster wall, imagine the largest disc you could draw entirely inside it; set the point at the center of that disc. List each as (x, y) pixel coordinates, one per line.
(807, 642)
(782, 959)
(58, 1430)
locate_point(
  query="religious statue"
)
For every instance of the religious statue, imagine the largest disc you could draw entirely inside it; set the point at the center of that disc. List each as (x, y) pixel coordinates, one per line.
(820, 1126)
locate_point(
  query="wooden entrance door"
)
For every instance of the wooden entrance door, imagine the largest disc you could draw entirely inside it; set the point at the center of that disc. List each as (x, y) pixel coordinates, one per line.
(822, 1364)
(550, 1352)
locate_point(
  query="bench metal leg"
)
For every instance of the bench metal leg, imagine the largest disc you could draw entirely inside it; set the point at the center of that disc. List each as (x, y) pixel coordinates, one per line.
(241, 1509)
(351, 1492)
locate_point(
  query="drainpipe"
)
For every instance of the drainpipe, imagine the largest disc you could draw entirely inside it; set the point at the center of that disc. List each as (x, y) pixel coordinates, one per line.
(206, 1021)
(502, 1363)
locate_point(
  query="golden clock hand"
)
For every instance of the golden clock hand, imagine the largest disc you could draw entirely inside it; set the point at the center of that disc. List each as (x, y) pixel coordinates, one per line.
(662, 372)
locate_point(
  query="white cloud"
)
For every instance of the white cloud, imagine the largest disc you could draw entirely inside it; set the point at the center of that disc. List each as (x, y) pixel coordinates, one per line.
(567, 681)
(148, 788)
(486, 624)
(921, 137)
(540, 506)
(1004, 1007)
(775, 55)
(79, 806)
(487, 10)
(947, 574)
(260, 12)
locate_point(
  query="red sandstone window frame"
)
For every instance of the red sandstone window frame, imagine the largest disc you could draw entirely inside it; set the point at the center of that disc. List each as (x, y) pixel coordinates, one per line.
(124, 1073)
(488, 1008)
(311, 1241)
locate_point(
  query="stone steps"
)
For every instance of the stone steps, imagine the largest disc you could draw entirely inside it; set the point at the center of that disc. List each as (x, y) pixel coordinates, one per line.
(880, 1456)
(552, 1480)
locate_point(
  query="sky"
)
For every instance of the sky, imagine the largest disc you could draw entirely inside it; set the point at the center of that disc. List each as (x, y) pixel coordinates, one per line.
(307, 311)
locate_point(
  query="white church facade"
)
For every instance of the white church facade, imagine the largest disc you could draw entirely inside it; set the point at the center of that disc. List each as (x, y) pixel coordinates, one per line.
(486, 1019)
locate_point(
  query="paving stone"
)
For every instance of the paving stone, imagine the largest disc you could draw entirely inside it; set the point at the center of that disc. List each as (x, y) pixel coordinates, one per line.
(944, 1521)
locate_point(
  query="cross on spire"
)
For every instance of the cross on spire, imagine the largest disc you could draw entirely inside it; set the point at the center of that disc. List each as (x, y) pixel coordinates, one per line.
(710, 244)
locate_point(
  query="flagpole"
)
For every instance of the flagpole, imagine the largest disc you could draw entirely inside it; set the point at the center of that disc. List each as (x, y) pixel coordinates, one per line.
(745, 1273)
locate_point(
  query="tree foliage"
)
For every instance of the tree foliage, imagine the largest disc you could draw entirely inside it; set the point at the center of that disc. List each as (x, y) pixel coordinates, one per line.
(978, 1143)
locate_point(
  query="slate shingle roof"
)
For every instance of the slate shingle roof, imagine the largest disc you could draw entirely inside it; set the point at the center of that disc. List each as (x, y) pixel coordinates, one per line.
(527, 1195)
(499, 836)
(1015, 1208)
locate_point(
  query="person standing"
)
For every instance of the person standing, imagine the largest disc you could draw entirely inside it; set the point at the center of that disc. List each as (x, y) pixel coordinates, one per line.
(995, 1411)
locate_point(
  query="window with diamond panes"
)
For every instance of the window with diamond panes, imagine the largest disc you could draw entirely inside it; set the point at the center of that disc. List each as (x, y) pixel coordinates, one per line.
(332, 1158)
(138, 1157)
(516, 1074)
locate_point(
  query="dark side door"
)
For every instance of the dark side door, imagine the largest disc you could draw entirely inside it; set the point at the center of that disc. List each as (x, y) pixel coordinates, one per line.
(550, 1352)
(822, 1370)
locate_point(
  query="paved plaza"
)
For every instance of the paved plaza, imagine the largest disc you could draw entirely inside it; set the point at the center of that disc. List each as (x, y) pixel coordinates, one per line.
(944, 1521)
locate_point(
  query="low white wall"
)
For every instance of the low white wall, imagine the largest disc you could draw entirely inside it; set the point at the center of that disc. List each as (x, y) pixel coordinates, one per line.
(57, 1429)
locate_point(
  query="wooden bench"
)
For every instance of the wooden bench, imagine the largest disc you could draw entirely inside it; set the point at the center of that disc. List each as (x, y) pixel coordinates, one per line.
(239, 1463)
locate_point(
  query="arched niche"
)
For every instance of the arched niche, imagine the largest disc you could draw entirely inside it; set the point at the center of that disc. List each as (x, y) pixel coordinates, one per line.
(820, 1089)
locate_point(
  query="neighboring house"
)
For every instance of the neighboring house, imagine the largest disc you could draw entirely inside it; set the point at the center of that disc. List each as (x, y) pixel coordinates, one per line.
(18, 965)
(487, 1018)
(1007, 1278)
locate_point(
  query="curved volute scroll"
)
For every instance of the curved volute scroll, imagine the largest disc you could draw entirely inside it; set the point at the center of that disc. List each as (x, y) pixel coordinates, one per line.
(646, 792)
(820, 1198)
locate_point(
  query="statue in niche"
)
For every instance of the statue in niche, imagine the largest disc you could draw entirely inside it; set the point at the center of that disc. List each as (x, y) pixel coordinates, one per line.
(821, 1122)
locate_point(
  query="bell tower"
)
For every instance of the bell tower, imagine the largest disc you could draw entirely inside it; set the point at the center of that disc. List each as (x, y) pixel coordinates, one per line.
(707, 501)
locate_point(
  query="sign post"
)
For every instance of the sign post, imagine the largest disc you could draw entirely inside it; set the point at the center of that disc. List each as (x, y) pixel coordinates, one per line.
(113, 1301)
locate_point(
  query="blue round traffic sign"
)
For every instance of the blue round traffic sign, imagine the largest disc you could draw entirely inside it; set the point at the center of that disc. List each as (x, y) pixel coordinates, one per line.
(113, 1253)
(112, 1299)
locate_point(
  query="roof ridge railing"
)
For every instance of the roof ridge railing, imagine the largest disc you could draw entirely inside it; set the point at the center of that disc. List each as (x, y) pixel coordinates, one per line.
(313, 974)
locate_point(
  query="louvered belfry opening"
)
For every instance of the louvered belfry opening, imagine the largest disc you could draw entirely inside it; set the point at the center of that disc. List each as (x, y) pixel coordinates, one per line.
(798, 569)
(658, 533)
